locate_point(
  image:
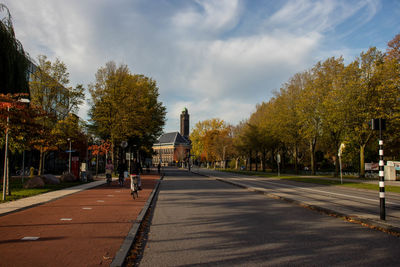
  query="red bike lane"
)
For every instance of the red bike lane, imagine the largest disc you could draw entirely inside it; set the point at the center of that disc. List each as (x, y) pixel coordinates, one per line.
(83, 229)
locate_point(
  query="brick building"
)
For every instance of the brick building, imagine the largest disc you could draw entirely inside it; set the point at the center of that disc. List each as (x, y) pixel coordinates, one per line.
(174, 147)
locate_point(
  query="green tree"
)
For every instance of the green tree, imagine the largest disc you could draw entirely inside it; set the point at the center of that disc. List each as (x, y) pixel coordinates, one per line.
(362, 99)
(285, 117)
(212, 140)
(51, 93)
(332, 113)
(126, 107)
(14, 61)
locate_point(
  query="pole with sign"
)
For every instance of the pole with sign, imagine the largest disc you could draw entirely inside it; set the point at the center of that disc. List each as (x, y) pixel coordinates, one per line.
(342, 146)
(380, 125)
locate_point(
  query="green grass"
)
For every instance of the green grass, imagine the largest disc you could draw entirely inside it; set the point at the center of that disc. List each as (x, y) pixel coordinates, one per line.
(322, 181)
(18, 192)
(375, 187)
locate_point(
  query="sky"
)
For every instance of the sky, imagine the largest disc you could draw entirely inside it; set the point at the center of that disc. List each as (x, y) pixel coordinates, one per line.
(217, 58)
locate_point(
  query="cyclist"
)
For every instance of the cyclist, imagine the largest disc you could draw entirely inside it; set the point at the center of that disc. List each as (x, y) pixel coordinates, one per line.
(121, 172)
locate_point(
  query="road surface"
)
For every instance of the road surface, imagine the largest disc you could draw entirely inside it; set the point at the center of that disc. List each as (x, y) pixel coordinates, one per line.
(201, 221)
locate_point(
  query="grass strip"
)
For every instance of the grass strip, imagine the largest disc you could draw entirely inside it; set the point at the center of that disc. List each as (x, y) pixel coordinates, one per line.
(375, 187)
(327, 182)
(18, 192)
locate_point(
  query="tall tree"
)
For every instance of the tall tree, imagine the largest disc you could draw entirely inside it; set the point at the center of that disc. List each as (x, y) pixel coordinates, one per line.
(332, 112)
(287, 124)
(362, 98)
(126, 107)
(50, 92)
(14, 60)
(211, 140)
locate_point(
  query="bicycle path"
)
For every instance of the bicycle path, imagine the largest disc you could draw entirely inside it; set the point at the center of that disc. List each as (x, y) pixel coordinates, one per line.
(78, 227)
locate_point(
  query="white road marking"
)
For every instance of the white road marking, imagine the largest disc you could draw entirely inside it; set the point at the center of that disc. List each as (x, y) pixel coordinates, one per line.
(86, 208)
(30, 238)
(66, 219)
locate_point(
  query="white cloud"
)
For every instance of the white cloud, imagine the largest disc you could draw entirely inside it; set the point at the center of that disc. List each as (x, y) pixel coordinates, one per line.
(307, 15)
(209, 17)
(214, 57)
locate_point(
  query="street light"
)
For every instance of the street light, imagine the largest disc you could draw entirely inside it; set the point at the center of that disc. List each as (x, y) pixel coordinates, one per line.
(340, 152)
(5, 174)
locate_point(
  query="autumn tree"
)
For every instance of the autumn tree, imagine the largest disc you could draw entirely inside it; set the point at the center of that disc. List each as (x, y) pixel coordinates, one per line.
(50, 92)
(18, 120)
(362, 99)
(212, 140)
(125, 106)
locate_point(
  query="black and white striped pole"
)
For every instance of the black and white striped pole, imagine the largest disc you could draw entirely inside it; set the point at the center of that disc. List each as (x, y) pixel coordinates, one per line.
(380, 124)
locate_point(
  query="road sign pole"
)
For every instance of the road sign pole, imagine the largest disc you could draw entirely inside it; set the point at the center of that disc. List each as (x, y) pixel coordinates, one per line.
(381, 175)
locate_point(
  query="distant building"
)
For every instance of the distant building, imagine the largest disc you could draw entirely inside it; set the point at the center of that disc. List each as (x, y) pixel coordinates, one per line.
(185, 123)
(174, 147)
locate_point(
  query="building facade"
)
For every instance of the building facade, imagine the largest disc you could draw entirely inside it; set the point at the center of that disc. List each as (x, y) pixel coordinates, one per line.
(174, 148)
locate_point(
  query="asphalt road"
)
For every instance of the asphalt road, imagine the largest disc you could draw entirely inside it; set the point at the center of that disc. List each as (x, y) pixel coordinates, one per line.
(355, 202)
(201, 221)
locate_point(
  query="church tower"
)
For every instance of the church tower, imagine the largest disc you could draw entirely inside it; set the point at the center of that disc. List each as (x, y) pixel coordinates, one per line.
(185, 123)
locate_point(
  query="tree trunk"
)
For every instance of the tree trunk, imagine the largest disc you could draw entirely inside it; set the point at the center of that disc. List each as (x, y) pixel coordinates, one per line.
(296, 151)
(362, 161)
(8, 191)
(256, 160)
(337, 165)
(250, 161)
(97, 164)
(40, 161)
(263, 160)
(44, 161)
(237, 164)
(312, 150)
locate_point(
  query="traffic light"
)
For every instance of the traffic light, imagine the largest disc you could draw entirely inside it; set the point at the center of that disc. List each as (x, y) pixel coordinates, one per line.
(375, 124)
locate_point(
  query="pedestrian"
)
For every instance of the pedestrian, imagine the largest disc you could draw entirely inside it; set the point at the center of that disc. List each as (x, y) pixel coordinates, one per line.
(159, 168)
(109, 171)
(121, 172)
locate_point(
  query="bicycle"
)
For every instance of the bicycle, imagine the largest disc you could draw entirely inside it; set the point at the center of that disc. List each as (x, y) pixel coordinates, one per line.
(134, 186)
(108, 178)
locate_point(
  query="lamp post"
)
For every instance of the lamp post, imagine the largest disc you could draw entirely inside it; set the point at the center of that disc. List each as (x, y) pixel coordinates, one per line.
(70, 150)
(5, 173)
(340, 152)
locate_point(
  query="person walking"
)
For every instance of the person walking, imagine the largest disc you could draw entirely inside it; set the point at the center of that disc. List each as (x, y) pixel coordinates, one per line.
(109, 171)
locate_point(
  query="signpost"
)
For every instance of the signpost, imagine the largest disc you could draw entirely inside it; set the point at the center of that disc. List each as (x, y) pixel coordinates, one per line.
(342, 146)
(380, 125)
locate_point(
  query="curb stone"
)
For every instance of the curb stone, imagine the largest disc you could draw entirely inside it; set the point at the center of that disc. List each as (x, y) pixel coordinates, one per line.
(126, 246)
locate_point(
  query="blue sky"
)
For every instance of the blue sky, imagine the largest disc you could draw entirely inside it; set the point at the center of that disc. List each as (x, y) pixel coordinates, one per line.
(217, 58)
